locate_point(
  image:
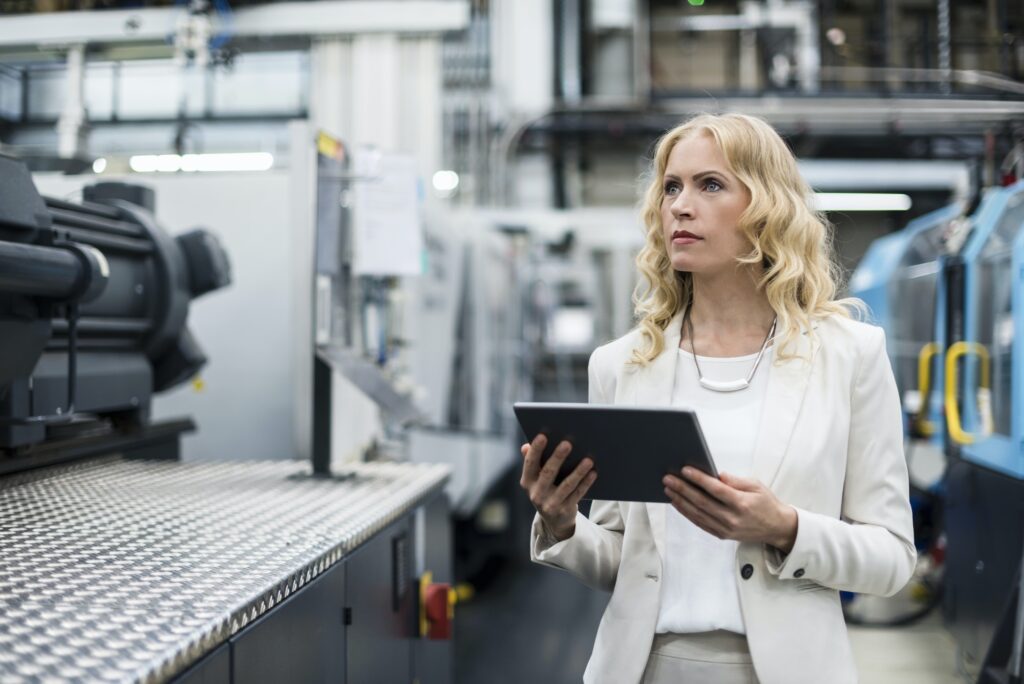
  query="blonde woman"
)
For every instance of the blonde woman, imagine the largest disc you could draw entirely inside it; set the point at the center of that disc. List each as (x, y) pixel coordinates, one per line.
(737, 579)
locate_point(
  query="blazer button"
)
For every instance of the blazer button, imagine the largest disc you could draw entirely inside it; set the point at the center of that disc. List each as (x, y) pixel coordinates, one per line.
(798, 573)
(747, 571)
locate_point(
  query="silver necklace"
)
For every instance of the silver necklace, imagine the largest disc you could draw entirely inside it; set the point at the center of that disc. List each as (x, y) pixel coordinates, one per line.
(728, 385)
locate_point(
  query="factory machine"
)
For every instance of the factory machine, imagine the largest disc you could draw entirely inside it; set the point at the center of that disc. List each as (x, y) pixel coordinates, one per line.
(900, 280)
(94, 299)
(119, 561)
(949, 290)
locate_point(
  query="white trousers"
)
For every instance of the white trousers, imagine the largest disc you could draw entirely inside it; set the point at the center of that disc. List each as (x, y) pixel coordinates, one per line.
(718, 657)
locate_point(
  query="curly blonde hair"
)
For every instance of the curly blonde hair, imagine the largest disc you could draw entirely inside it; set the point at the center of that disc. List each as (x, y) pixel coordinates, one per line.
(790, 239)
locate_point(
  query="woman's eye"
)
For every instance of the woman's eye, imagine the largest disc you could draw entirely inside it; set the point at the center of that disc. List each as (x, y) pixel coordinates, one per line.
(671, 188)
(713, 185)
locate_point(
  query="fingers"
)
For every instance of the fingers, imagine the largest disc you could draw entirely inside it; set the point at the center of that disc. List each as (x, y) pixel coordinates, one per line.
(581, 490)
(573, 479)
(563, 502)
(744, 484)
(696, 515)
(556, 506)
(554, 463)
(711, 485)
(697, 497)
(531, 462)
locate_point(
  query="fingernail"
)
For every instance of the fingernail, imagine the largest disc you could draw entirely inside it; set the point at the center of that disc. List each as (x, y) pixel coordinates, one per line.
(665, 481)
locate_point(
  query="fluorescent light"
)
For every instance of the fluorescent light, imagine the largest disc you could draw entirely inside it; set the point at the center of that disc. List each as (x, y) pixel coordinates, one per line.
(861, 201)
(149, 163)
(236, 161)
(142, 163)
(99, 165)
(170, 163)
(571, 327)
(446, 181)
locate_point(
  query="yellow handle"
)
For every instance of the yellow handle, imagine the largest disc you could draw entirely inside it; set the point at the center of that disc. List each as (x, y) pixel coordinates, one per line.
(426, 579)
(956, 430)
(924, 387)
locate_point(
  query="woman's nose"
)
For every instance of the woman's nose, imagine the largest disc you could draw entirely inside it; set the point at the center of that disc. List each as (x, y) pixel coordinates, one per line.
(682, 206)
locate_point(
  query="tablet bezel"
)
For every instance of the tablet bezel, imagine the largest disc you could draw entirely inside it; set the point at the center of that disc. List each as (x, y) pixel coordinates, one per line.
(638, 444)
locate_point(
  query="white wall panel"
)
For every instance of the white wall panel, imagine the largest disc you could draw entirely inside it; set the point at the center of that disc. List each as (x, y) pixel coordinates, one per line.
(10, 95)
(46, 93)
(261, 83)
(152, 89)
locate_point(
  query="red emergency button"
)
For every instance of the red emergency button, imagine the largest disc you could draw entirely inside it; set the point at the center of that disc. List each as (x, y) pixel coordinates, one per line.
(437, 608)
(440, 611)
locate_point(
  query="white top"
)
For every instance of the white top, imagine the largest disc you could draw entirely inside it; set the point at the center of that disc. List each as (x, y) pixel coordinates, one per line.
(698, 591)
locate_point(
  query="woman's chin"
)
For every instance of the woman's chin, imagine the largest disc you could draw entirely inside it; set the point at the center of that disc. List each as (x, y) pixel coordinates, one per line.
(684, 265)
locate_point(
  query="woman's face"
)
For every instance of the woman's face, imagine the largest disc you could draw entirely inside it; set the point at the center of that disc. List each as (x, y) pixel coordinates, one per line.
(701, 207)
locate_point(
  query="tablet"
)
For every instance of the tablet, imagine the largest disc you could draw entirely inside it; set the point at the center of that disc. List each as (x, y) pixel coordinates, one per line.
(632, 448)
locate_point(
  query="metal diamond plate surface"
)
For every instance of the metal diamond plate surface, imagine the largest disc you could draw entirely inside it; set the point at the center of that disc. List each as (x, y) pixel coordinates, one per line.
(119, 570)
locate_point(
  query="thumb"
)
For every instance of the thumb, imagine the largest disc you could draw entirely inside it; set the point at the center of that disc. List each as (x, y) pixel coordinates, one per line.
(744, 484)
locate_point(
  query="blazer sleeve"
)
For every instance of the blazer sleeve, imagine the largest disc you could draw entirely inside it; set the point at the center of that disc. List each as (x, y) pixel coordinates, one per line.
(592, 554)
(870, 549)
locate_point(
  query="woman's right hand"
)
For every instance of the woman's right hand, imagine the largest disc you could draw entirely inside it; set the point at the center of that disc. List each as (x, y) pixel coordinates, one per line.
(557, 505)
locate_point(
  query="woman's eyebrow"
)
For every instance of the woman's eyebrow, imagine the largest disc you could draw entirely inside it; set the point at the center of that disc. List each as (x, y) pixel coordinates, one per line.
(697, 176)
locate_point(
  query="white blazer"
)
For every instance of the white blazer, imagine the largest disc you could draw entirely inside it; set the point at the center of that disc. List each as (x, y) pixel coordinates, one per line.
(830, 444)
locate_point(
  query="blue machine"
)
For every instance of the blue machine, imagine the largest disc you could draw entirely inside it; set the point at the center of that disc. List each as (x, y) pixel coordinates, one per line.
(900, 279)
(988, 430)
(984, 369)
(955, 331)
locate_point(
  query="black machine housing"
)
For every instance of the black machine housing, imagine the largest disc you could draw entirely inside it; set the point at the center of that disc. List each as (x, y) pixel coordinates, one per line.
(94, 298)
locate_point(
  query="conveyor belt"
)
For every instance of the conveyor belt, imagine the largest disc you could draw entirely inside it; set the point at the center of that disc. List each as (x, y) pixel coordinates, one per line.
(118, 570)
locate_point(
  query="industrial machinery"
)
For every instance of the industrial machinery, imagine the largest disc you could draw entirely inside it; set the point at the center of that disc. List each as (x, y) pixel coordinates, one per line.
(949, 290)
(899, 279)
(129, 565)
(94, 298)
(983, 395)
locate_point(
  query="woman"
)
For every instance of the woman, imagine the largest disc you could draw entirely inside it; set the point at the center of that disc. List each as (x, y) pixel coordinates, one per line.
(737, 579)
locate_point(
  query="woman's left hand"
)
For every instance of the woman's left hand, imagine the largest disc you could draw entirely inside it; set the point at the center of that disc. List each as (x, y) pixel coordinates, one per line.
(733, 507)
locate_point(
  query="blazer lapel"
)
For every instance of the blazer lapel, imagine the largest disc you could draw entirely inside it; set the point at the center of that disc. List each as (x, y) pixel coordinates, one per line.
(654, 385)
(655, 382)
(787, 385)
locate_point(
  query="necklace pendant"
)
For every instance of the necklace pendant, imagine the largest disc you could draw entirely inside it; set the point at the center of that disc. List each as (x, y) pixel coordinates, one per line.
(727, 385)
(723, 385)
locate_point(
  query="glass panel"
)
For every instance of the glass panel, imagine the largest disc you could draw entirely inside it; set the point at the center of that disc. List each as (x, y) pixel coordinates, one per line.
(995, 317)
(1006, 230)
(912, 302)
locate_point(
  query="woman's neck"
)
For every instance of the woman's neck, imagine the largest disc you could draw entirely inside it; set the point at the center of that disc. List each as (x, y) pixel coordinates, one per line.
(729, 316)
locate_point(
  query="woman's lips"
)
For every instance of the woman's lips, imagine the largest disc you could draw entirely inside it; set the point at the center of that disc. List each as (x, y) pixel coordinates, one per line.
(681, 237)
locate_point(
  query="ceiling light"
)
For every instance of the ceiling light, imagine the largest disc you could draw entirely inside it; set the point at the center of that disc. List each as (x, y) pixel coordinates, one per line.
(446, 181)
(861, 201)
(170, 163)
